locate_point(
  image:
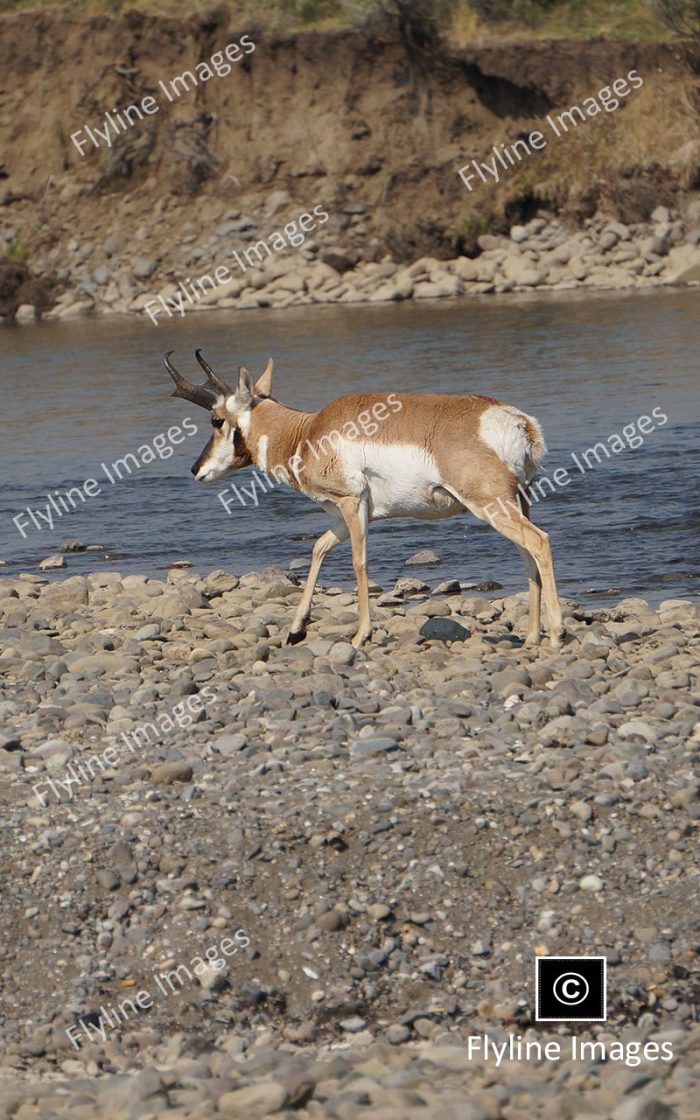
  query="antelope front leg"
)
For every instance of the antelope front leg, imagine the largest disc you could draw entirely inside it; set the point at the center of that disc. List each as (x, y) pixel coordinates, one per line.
(320, 550)
(354, 510)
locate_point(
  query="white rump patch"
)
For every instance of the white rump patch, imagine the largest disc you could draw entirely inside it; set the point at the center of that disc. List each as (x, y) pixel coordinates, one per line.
(504, 429)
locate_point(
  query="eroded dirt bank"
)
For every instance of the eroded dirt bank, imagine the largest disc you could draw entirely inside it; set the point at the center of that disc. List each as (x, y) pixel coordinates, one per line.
(367, 128)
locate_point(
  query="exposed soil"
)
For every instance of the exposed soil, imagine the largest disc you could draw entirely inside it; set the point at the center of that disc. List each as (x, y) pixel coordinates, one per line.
(333, 117)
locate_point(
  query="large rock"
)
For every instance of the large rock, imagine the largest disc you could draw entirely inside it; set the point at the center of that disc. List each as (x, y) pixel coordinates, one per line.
(55, 753)
(99, 664)
(292, 282)
(426, 289)
(174, 604)
(393, 290)
(562, 254)
(444, 630)
(220, 581)
(26, 313)
(50, 562)
(466, 268)
(655, 246)
(424, 265)
(319, 275)
(518, 233)
(578, 269)
(73, 310)
(523, 272)
(618, 278)
(66, 593)
(228, 290)
(425, 556)
(253, 1102)
(685, 262)
(144, 267)
(490, 241)
(338, 261)
(126, 1095)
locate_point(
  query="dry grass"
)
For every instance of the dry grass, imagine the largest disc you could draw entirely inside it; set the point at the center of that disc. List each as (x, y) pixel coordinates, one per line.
(649, 129)
(472, 21)
(635, 20)
(661, 117)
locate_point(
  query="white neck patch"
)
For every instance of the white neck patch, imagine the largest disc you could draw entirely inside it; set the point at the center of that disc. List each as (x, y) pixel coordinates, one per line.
(261, 454)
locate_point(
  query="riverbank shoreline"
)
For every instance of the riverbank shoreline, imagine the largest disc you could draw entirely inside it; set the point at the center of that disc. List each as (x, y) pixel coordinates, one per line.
(541, 256)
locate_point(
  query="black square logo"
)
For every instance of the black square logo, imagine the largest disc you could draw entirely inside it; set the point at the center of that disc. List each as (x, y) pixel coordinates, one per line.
(570, 989)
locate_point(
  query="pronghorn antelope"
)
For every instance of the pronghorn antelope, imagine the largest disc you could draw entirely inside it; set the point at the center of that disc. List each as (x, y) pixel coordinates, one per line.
(431, 456)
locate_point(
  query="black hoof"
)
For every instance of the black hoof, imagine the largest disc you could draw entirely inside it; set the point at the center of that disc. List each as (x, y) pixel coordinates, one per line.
(295, 636)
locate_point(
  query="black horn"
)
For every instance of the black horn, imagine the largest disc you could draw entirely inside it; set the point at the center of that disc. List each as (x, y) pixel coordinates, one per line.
(197, 394)
(213, 380)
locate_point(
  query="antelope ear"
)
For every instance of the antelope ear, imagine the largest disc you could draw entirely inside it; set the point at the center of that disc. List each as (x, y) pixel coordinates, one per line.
(245, 390)
(263, 386)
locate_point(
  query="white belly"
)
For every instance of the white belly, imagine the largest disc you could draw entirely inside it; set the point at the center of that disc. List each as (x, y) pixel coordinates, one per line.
(401, 480)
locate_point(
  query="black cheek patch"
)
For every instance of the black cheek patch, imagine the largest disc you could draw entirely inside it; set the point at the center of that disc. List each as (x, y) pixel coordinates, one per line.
(240, 449)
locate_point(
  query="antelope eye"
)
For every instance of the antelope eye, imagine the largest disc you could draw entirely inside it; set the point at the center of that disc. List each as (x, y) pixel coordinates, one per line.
(217, 422)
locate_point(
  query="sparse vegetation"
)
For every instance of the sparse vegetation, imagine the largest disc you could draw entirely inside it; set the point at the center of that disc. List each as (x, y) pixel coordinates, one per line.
(473, 225)
(681, 16)
(657, 134)
(421, 21)
(15, 250)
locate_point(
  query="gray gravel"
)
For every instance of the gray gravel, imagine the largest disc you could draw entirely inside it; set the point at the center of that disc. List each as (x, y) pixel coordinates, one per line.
(394, 833)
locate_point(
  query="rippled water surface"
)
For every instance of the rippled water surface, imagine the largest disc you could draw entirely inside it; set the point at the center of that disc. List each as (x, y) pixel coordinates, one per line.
(79, 395)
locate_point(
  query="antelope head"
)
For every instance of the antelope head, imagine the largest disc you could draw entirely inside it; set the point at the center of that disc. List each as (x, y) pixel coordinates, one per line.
(231, 409)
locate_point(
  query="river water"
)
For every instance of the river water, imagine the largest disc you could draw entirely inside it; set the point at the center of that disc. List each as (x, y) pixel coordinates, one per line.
(81, 394)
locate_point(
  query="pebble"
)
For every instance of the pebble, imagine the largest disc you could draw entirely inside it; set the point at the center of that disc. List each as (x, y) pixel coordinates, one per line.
(212, 979)
(331, 921)
(169, 772)
(591, 883)
(423, 557)
(373, 746)
(397, 1033)
(49, 563)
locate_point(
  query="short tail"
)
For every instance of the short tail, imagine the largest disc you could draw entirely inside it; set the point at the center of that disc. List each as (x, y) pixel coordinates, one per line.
(536, 447)
(515, 437)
